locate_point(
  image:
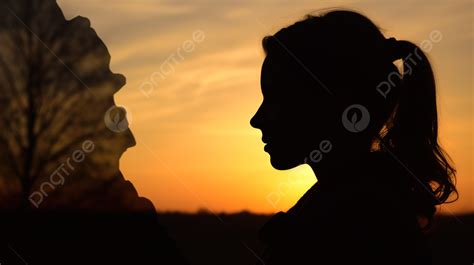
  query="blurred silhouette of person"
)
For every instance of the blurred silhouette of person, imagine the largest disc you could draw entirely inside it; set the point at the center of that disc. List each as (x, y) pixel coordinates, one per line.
(63, 199)
(334, 99)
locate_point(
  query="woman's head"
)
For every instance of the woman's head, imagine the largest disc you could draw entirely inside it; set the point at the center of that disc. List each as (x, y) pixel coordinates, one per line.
(313, 71)
(332, 78)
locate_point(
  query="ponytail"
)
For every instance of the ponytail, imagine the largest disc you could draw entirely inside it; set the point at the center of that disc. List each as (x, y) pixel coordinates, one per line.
(412, 133)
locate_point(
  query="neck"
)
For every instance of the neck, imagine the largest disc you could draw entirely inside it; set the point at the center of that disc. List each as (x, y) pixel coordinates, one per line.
(339, 167)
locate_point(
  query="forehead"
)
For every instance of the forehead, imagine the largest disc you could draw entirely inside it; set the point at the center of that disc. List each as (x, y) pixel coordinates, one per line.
(275, 73)
(283, 77)
(275, 65)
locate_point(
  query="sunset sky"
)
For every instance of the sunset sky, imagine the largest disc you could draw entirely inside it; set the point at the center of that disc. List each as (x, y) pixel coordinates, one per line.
(190, 114)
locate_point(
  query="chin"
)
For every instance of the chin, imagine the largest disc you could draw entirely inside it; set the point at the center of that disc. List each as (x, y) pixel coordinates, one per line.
(283, 163)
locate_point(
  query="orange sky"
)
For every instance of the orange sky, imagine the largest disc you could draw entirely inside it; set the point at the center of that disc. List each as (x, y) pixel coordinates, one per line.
(195, 147)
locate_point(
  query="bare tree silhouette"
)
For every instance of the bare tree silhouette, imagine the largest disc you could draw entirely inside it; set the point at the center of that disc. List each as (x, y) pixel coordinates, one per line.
(61, 139)
(56, 87)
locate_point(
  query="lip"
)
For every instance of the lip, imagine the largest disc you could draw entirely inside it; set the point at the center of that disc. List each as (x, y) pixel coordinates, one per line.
(266, 148)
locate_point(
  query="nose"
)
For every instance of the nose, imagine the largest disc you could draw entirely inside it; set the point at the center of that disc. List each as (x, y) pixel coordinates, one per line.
(120, 80)
(257, 119)
(131, 142)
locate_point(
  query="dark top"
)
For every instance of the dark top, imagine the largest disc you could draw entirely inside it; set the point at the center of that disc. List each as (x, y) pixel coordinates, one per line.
(367, 220)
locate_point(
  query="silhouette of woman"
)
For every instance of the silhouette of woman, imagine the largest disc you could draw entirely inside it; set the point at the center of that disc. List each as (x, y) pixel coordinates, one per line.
(335, 100)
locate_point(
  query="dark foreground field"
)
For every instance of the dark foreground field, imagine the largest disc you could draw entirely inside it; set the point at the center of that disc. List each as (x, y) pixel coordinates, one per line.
(207, 239)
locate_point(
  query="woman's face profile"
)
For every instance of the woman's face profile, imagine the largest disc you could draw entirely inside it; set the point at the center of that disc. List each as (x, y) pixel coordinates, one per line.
(293, 117)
